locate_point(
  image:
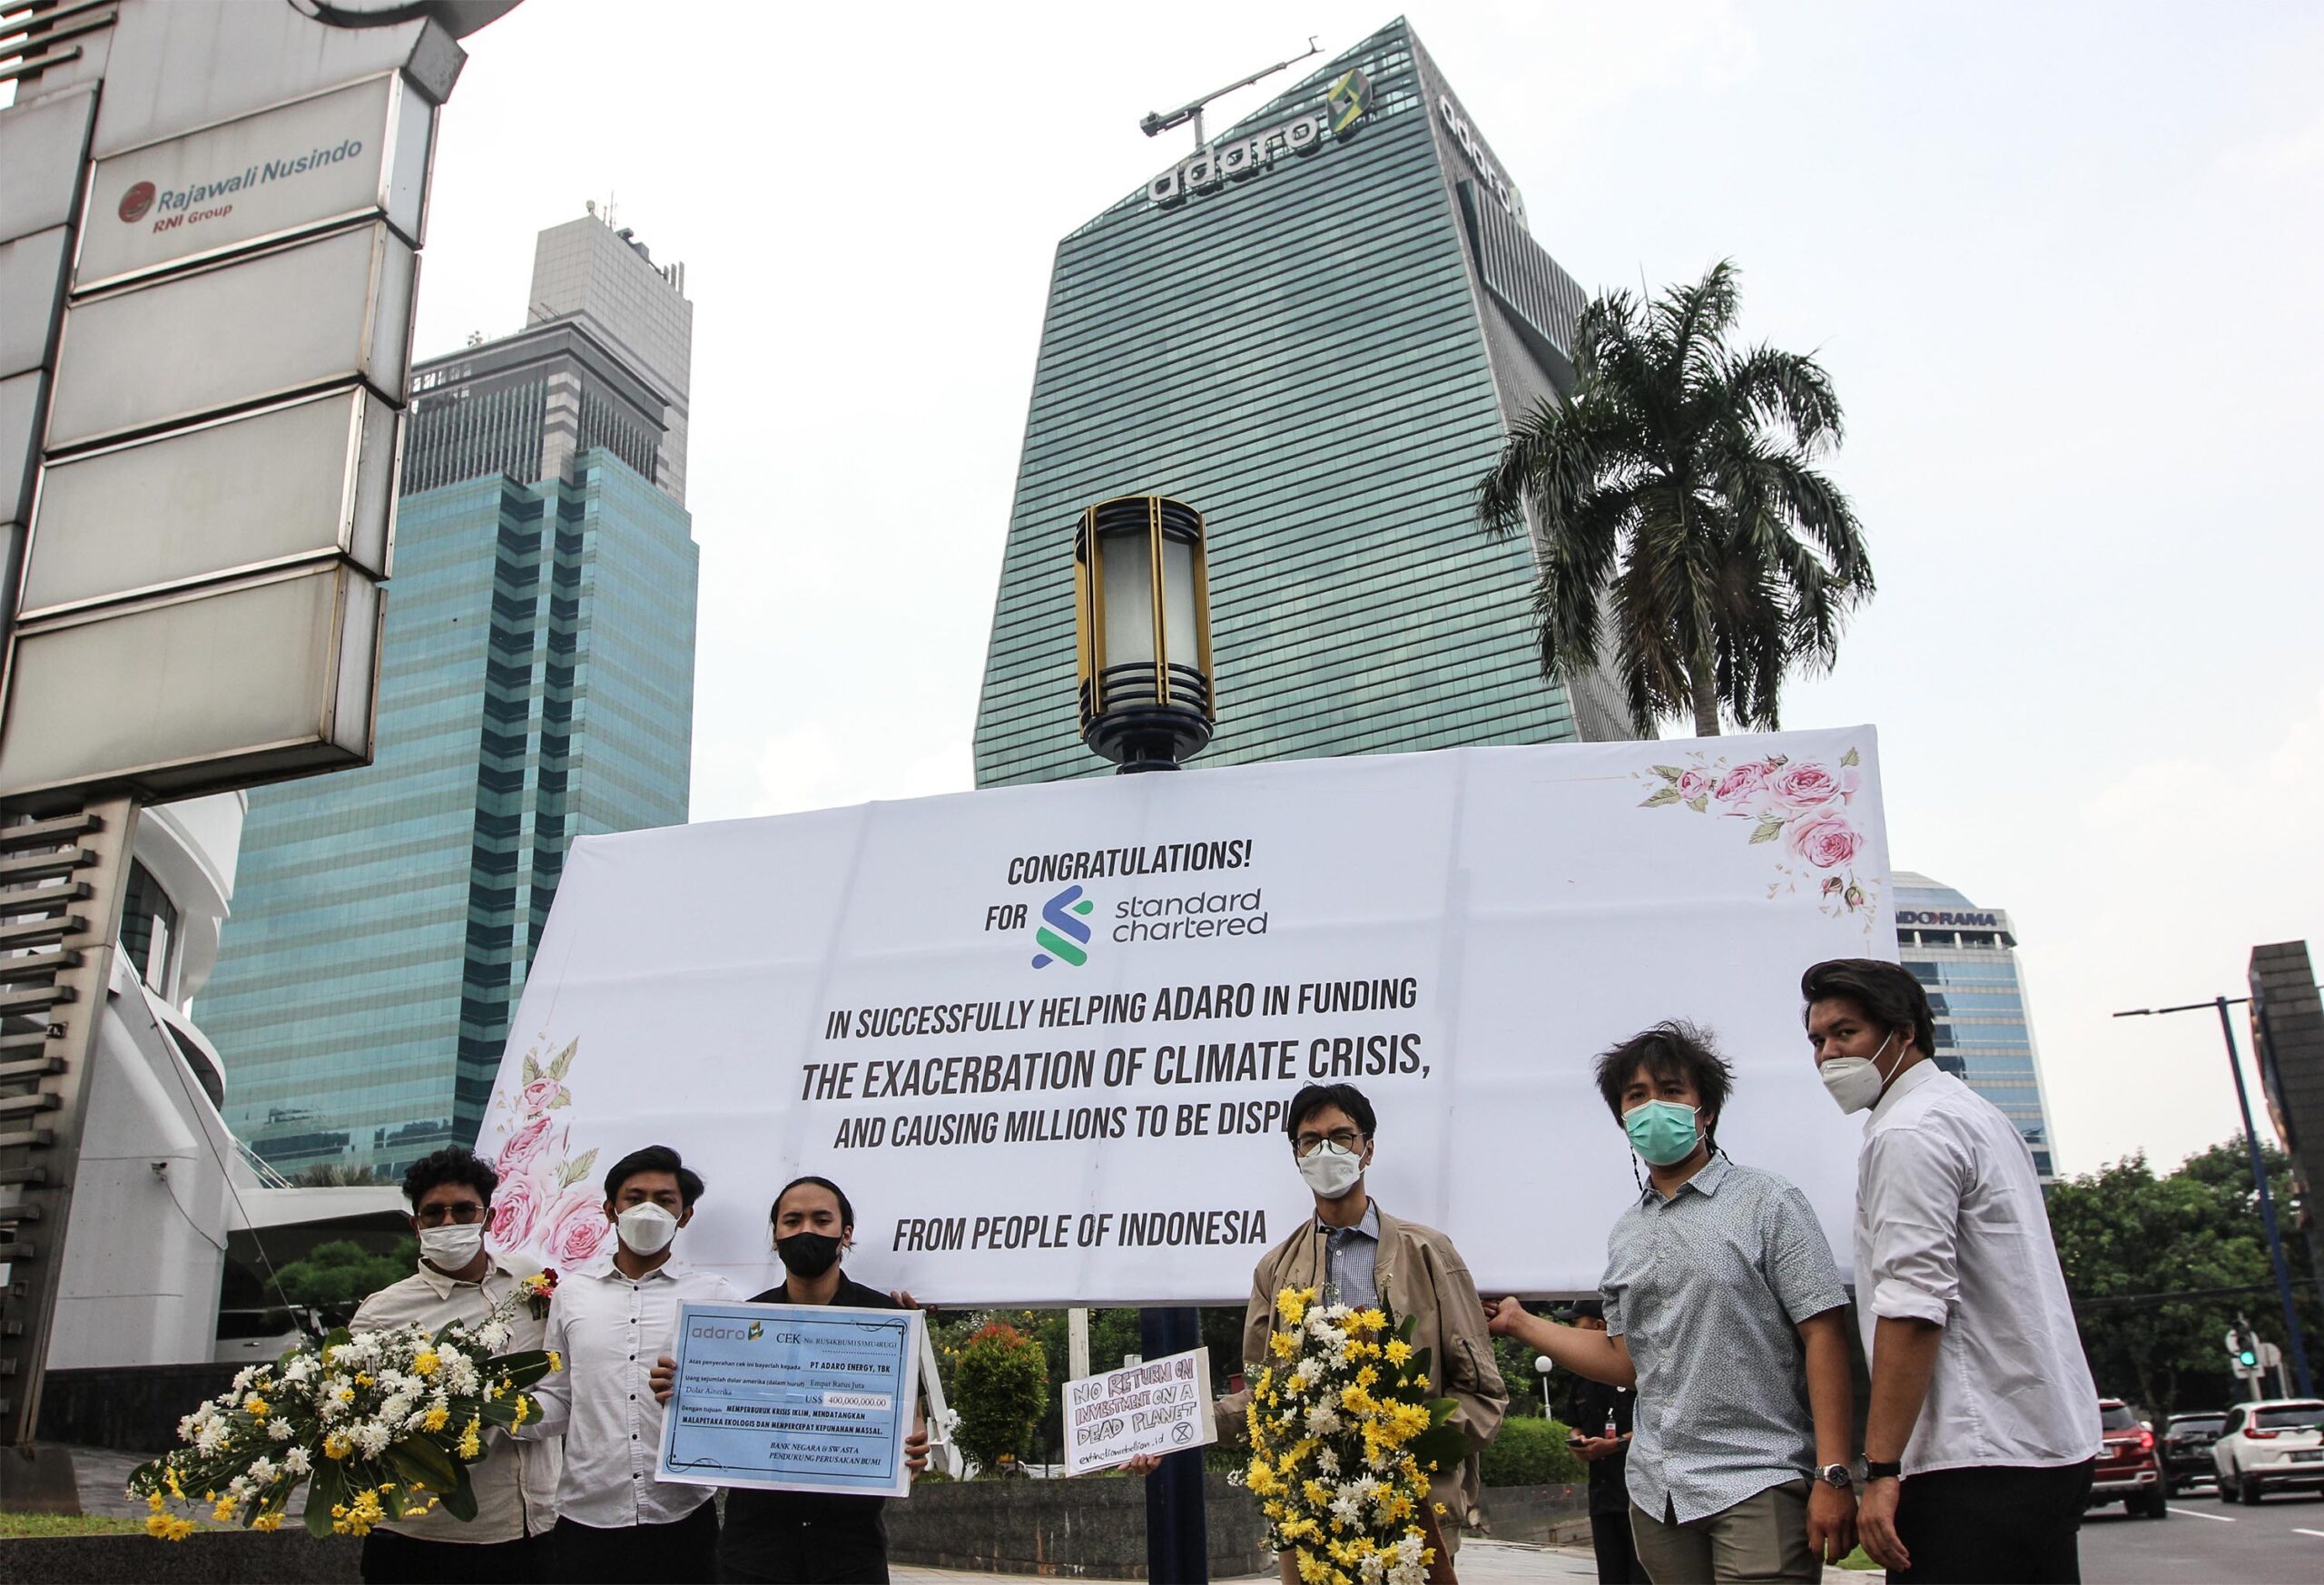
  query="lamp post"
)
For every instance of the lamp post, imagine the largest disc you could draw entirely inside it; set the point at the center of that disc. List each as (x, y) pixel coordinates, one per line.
(1141, 617)
(1141, 610)
(2258, 1174)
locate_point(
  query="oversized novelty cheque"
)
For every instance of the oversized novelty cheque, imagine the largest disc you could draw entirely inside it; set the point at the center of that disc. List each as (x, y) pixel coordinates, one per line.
(792, 1397)
(1044, 1036)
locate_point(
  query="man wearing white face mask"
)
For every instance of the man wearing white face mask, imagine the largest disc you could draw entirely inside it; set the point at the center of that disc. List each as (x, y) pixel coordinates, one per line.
(1356, 1254)
(610, 1321)
(1983, 1420)
(459, 1280)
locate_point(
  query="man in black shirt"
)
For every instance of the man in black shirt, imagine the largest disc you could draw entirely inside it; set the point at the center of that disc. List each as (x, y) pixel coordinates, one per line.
(808, 1538)
(1598, 1406)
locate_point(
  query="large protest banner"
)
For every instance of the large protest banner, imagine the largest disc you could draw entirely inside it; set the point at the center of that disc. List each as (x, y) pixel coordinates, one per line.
(1043, 1035)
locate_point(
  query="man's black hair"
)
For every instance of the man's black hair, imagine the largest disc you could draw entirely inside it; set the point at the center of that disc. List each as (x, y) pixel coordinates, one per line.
(654, 1158)
(1316, 1096)
(846, 1210)
(452, 1164)
(1672, 1049)
(1888, 997)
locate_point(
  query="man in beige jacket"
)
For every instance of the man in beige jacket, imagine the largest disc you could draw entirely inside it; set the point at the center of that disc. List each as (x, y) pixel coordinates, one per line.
(1357, 1253)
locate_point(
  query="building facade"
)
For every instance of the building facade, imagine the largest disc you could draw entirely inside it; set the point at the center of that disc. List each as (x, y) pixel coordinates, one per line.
(1965, 956)
(537, 685)
(1317, 332)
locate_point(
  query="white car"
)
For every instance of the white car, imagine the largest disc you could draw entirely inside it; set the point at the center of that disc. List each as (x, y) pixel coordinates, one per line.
(2270, 1446)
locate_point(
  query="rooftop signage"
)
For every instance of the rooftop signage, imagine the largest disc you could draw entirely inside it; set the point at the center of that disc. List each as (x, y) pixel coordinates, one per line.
(1474, 146)
(357, 152)
(1946, 920)
(1241, 158)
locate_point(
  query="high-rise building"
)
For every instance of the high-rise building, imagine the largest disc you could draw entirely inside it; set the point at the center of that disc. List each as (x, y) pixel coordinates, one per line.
(537, 685)
(1316, 331)
(1965, 958)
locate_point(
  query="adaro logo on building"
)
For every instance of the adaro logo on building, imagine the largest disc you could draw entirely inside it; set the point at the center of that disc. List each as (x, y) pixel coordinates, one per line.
(1062, 930)
(136, 201)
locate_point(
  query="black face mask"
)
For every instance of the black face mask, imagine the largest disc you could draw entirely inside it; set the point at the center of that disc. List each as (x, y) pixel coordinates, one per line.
(808, 1254)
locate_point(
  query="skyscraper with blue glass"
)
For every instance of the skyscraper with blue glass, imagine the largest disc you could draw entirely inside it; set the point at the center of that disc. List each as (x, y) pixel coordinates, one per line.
(537, 685)
(1316, 329)
(1965, 958)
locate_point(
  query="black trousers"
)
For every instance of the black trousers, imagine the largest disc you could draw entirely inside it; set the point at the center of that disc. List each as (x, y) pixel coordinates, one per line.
(1997, 1525)
(682, 1552)
(1617, 1561)
(390, 1559)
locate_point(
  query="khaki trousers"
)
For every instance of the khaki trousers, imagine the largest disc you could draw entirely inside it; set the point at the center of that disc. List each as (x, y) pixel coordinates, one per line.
(1762, 1538)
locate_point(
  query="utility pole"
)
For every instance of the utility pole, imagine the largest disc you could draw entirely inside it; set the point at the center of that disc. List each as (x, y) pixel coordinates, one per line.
(1156, 124)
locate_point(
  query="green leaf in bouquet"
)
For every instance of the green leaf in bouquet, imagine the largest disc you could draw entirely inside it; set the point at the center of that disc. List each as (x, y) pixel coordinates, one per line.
(1443, 1444)
(422, 1458)
(326, 1490)
(522, 1369)
(1421, 1368)
(460, 1501)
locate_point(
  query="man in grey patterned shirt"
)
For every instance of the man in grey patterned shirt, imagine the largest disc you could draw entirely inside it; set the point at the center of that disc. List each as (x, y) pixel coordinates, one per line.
(1724, 1309)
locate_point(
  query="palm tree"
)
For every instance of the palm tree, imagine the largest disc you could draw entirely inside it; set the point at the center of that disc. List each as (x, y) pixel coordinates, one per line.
(1676, 498)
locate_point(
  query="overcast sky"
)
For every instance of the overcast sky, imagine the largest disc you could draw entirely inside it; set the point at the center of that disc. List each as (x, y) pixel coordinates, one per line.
(2061, 260)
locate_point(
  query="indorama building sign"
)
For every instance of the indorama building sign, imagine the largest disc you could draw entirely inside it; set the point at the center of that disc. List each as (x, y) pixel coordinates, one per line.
(1240, 158)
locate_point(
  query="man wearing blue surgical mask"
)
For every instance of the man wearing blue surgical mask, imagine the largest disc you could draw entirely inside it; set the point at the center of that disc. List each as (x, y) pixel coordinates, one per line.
(1724, 1310)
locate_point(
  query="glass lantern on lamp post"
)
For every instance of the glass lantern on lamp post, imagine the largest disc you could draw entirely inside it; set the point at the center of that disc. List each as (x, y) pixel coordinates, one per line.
(1141, 607)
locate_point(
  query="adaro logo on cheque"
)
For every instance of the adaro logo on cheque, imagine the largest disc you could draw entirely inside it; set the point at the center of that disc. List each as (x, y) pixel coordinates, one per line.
(136, 201)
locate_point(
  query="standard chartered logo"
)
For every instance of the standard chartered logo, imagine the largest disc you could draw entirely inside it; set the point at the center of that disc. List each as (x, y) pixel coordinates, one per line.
(1061, 933)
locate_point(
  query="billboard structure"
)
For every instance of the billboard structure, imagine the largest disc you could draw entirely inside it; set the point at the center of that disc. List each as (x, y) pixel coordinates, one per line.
(210, 220)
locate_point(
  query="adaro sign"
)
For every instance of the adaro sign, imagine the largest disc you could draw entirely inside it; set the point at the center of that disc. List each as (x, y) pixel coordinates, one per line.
(356, 152)
(1043, 1037)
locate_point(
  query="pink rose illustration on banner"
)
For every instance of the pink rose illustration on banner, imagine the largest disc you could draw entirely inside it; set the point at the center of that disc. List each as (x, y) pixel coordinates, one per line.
(524, 1147)
(1824, 838)
(1811, 786)
(578, 1229)
(1802, 805)
(516, 1206)
(541, 1095)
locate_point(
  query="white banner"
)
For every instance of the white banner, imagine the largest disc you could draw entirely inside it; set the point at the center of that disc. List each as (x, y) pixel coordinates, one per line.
(1043, 1037)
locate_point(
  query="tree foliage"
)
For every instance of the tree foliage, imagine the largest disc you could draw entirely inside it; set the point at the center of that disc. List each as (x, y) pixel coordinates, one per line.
(2124, 1232)
(1687, 539)
(1000, 1384)
(337, 1277)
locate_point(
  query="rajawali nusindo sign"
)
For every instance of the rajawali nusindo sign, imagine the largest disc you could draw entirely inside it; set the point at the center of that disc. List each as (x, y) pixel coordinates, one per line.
(1044, 1037)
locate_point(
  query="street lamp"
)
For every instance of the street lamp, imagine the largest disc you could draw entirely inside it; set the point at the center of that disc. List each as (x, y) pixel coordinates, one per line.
(1141, 614)
(1545, 1364)
(2258, 1174)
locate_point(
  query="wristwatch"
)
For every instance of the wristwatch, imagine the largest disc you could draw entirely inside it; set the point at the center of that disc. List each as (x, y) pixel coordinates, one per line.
(1874, 1470)
(1838, 1475)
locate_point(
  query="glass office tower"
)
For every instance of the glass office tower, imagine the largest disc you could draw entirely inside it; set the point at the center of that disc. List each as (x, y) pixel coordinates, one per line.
(1316, 332)
(537, 685)
(1964, 957)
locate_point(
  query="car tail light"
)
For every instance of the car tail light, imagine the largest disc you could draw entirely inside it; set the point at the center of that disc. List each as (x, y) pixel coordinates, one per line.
(2146, 1442)
(2256, 1434)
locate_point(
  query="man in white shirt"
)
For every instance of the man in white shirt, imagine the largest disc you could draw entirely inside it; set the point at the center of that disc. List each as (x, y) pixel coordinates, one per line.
(459, 1280)
(611, 1320)
(1983, 1421)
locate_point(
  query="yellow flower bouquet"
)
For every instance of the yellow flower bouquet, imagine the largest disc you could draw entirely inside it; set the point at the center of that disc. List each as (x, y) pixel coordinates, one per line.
(384, 1423)
(1344, 1439)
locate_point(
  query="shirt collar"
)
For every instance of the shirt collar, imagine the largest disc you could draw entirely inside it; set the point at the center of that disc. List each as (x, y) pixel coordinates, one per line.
(1714, 1172)
(1367, 1225)
(1904, 1083)
(606, 1271)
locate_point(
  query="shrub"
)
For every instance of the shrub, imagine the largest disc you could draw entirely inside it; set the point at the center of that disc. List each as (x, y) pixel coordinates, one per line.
(1531, 1451)
(1000, 1384)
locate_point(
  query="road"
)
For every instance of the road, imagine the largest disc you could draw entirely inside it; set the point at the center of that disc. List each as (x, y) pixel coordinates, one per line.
(2282, 1539)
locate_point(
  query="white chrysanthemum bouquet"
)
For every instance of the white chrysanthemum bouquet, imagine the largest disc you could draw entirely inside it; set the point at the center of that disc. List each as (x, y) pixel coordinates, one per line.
(1344, 1440)
(384, 1424)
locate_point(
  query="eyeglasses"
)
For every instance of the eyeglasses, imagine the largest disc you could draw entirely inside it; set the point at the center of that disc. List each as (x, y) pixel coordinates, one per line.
(1347, 1140)
(465, 1212)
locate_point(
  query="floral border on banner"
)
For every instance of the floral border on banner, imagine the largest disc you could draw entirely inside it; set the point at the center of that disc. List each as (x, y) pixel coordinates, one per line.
(1803, 804)
(546, 1201)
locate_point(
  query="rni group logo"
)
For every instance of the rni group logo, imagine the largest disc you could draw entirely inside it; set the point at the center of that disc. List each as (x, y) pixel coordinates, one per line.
(1061, 931)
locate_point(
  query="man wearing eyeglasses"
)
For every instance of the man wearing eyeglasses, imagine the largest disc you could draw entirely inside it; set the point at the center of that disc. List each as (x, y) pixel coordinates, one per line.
(459, 1280)
(1358, 1255)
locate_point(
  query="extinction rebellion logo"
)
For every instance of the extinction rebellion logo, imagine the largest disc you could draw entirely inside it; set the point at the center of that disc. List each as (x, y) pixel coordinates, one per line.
(1062, 931)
